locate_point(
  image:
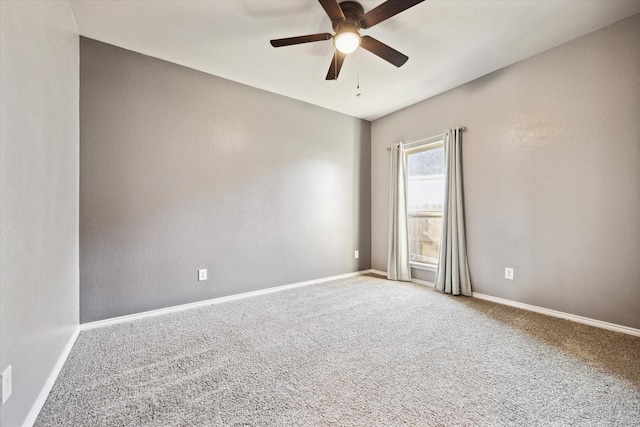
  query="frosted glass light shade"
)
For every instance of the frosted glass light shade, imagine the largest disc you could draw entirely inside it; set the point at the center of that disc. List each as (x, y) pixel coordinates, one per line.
(347, 42)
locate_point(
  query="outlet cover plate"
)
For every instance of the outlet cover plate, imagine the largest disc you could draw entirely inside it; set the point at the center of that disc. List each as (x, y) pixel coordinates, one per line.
(202, 274)
(356, 254)
(508, 273)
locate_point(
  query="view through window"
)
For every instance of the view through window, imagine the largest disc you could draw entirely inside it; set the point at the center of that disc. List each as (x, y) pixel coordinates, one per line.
(425, 192)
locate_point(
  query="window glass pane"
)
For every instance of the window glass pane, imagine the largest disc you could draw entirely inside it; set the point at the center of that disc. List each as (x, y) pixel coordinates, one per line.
(425, 200)
(424, 239)
(427, 162)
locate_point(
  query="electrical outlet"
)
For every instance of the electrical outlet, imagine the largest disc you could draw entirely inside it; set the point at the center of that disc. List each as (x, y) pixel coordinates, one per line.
(7, 387)
(202, 274)
(356, 254)
(508, 273)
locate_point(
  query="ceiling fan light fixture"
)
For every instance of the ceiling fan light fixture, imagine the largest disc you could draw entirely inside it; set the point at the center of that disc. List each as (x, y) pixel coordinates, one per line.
(347, 18)
(347, 41)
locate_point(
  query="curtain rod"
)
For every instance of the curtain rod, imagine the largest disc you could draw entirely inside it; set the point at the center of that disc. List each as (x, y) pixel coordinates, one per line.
(461, 129)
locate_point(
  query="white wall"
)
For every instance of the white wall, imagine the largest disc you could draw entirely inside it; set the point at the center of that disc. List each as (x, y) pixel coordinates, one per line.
(38, 194)
(551, 175)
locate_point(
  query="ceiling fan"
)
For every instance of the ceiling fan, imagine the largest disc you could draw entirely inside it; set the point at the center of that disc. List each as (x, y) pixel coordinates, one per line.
(347, 18)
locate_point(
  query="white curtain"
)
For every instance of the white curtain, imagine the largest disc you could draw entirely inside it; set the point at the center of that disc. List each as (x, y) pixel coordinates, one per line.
(453, 269)
(398, 260)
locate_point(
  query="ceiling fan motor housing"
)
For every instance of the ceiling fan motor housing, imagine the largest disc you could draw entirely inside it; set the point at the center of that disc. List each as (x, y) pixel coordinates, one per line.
(353, 12)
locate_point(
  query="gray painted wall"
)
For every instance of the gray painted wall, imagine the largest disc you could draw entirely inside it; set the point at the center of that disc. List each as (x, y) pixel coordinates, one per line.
(551, 175)
(38, 194)
(181, 170)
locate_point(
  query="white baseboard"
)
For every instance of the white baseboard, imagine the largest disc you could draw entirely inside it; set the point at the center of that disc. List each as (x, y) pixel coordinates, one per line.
(560, 314)
(48, 385)
(554, 313)
(418, 281)
(378, 272)
(44, 393)
(46, 389)
(423, 282)
(182, 307)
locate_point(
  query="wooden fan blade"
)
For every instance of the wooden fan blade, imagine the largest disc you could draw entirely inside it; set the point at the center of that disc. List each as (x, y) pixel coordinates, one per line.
(301, 39)
(333, 10)
(385, 52)
(336, 65)
(385, 11)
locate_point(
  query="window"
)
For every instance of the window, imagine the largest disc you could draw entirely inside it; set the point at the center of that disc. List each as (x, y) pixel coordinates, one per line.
(425, 194)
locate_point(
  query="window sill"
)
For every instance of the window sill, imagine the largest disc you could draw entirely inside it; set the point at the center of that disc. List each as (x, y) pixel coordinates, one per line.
(424, 266)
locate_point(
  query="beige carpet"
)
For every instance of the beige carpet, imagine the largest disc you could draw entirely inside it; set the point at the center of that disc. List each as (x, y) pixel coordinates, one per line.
(355, 352)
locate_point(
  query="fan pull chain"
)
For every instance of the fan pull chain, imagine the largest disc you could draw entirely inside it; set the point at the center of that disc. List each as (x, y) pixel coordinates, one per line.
(358, 73)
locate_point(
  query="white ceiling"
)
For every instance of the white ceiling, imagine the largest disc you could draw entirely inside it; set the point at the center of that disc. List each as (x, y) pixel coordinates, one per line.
(448, 43)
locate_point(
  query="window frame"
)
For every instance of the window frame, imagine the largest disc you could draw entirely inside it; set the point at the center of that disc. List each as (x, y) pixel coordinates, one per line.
(413, 148)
